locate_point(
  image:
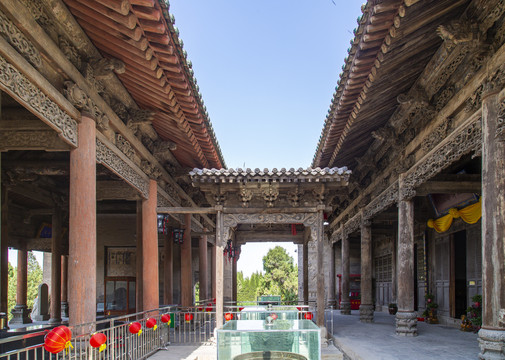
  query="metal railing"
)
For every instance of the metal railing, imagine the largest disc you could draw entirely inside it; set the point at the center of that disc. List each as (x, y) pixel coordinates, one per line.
(188, 325)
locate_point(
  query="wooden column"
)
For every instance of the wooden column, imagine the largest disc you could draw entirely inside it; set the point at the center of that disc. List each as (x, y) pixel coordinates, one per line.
(213, 271)
(82, 226)
(394, 261)
(492, 333)
(150, 272)
(219, 269)
(331, 285)
(204, 274)
(366, 307)
(345, 304)
(234, 280)
(186, 273)
(55, 310)
(306, 237)
(64, 287)
(139, 287)
(320, 268)
(20, 312)
(406, 317)
(4, 250)
(168, 269)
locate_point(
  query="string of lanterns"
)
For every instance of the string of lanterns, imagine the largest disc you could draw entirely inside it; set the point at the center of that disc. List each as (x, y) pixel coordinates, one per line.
(232, 252)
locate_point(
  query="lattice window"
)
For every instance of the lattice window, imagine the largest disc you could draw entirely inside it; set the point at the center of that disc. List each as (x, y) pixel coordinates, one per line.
(383, 268)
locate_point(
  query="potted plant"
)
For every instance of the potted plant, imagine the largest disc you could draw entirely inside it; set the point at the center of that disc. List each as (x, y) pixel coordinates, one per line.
(474, 314)
(392, 308)
(430, 313)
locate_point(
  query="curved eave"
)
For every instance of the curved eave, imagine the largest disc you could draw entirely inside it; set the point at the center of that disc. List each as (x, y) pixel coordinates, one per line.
(158, 75)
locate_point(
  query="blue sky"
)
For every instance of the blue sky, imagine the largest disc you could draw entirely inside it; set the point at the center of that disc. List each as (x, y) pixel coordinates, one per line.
(267, 70)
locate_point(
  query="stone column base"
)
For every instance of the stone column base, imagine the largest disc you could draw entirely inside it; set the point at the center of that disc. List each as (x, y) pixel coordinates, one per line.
(366, 313)
(492, 344)
(20, 315)
(406, 323)
(345, 308)
(64, 309)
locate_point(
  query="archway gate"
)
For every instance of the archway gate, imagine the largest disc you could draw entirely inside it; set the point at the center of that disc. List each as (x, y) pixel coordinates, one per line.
(268, 197)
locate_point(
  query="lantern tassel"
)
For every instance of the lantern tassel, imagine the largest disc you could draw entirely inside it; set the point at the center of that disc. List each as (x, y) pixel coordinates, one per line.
(68, 344)
(140, 332)
(155, 327)
(102, 347)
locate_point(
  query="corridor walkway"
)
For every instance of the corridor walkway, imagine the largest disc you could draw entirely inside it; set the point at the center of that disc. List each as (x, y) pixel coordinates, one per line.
(378, 341)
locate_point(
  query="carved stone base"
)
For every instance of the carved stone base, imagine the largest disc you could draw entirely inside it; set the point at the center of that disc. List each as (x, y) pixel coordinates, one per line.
(53, 321)
(345, 308)
(492, 344)
(20, 315)
(406, 323)
(64, 309)
(366, 313)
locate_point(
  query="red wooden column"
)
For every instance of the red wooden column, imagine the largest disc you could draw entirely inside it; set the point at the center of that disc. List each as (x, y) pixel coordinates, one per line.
(56, 268)
(204, 274)
(213, 271)
(345, 304)
(186, 275)
(82, 226)
(492, 333)
(4, 250)
(20, 312)
(150, 273)
(139, 289)
(64, 287)
(168, 269)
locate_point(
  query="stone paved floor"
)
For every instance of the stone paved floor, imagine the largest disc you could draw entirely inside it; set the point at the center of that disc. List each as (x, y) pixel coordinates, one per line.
(377, 341)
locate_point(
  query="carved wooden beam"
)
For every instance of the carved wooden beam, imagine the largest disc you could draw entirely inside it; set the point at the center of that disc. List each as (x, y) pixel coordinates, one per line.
(186, 210)
(115, 190)
(263, 236)
(449, 187)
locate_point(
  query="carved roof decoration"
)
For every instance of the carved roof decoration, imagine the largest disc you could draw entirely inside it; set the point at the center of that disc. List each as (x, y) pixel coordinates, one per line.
(158, 75)
(275, 175)
(393, 43)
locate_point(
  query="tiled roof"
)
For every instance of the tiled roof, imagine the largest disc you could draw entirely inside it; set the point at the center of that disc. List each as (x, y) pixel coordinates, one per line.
(277, 175)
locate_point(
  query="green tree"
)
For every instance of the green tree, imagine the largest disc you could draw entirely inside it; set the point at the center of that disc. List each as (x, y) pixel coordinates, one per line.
(34, 279)
(281, 275)
(247, 287)
(11, 292)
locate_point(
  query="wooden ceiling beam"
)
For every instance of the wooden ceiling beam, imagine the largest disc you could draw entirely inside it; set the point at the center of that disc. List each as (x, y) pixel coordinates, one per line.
(449, 187)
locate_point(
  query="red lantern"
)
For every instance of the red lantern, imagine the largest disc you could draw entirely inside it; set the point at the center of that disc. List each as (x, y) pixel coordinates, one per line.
(200, 308)
(208, 309)
(135, 328)
(188, 317)
(273, 316)
(58, 339)
(151, 323)
(228, 316)
(299, 308)
(98, 340)
(165, 318)
(241, 308)
(214, 301)
(308, 316)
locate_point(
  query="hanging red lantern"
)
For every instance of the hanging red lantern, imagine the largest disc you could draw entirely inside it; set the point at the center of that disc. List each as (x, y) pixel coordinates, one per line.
(58, 339)
(241, 308)
(273, 316)
(165, 318)
(299, 308)
(98, 340)
(151, 323)
(208, 309)
(135, 328)
(228, 316)
(308, 316)
(188, 317)
(214, 301)
(200, 308)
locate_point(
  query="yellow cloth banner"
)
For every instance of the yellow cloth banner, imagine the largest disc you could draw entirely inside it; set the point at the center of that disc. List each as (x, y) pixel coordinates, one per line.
(470, 214)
